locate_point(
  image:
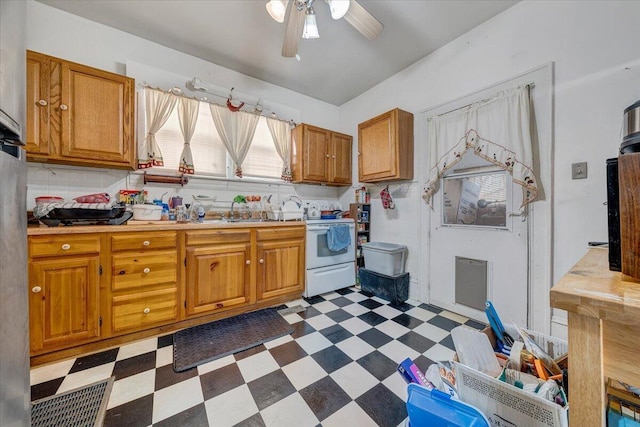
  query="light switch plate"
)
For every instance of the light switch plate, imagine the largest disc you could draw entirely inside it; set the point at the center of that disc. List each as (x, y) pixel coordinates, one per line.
(579, 170)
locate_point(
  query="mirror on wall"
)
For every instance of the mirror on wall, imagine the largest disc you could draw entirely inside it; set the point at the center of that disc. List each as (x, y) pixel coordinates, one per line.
(478, 199)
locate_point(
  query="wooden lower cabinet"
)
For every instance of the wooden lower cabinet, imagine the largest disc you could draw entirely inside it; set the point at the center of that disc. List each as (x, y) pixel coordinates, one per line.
(90, 291)
(280, 262)
(218, 271)
(144, 281)
(63, 302)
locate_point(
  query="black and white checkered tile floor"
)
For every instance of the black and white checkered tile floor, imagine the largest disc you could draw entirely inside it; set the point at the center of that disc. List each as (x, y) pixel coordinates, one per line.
(338, 368)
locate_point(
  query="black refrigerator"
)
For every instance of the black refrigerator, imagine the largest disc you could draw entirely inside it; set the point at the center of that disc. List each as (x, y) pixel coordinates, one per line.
(14, 308)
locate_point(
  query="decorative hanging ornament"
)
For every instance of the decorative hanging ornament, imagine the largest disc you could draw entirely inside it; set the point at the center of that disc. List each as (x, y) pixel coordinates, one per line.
(230, 105)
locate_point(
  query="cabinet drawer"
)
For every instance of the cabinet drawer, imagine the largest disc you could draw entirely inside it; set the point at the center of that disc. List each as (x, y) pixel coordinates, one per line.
(143, 241)
(131, 270)
(280, 233)
(43, 246)
(145, 309)
(207, 237)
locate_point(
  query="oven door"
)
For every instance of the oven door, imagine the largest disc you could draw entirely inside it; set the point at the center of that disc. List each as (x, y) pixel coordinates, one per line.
(317, 251)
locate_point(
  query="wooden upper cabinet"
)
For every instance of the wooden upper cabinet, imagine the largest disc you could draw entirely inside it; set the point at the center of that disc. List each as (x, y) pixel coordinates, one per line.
(78, 114)
(37, 104)
(320, 156)
(340, 164)
(385, 147)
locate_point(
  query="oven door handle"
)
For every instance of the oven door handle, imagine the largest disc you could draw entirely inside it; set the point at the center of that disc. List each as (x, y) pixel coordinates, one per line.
(324, 227)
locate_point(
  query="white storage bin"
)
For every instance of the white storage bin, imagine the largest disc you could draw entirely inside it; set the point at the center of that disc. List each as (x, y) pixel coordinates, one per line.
(504, 404)
(384, 258)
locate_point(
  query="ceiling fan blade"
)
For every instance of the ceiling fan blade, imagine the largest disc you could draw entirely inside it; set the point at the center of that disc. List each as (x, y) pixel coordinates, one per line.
(363, 21)
(294, 24)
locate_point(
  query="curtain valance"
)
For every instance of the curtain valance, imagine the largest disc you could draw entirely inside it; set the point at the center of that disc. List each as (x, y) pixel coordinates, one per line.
(498, 130)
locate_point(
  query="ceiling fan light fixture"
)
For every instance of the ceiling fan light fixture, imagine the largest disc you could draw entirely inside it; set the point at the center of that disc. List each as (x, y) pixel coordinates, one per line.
(310, 26)
(338, 8)
(277, 9)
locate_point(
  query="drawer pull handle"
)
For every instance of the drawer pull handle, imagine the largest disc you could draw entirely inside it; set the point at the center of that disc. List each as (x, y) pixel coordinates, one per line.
(219, 305)
(42, 102)
(147, 310)
(63, 107)
(248, 261)
(146, 243)
(213, 265)
(121, 272)
(36, 289)
(66, 247)
(261, 261)
(146, 270)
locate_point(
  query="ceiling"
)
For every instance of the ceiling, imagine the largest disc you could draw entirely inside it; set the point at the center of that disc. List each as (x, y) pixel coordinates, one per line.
(337, 67)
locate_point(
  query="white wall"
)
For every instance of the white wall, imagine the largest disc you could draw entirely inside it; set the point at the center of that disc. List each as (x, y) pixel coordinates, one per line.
(76, 39)
(594, 48)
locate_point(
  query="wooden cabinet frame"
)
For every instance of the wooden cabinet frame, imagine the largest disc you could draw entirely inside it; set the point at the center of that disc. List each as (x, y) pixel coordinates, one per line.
(321, 156)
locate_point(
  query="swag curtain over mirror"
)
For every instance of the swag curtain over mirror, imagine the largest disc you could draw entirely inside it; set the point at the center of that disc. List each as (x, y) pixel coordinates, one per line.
(497, 129)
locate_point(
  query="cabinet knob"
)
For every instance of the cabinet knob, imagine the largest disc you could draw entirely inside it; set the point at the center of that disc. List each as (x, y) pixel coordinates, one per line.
(333, 157)
(328, 156)
(36, 289)
(66, 247)
(248, 261)
(261, 261)
(63, 107)
(146, 243)
(146, 270)
(219, 305)
(43, 102)
(358, 153)
(146, 310)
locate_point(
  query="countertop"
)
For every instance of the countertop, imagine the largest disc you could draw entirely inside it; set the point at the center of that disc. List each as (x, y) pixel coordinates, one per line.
(603, 319)
(591, 289)
(133, 225)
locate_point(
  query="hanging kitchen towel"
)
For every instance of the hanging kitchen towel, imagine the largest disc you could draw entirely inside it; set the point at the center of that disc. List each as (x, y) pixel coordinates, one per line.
(338, 237)
(385, 197)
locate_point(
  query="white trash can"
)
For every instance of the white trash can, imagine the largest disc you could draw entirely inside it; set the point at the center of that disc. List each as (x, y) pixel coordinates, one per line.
(384, 258)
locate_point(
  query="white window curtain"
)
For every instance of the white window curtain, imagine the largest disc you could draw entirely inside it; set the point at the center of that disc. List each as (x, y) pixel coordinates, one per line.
(498, 130)
(159, 106)
(281, 134)
(188, 117)
(236, 131)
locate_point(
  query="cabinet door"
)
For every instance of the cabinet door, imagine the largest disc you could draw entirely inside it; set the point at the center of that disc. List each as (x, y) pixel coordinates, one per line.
(377, 148)
(280, 267)
(218, 277)
(63, 302)
(37, 131)
(315, 154)
(340, 159)
(96, 113)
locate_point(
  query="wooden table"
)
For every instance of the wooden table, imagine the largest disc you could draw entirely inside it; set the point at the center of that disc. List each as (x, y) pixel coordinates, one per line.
(604, 333)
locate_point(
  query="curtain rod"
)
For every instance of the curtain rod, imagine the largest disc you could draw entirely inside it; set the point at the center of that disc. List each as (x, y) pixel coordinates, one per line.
(176, 91)
(529, 85)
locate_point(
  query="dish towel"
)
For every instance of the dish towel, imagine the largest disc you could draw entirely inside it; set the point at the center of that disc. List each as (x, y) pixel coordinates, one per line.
(338, 237)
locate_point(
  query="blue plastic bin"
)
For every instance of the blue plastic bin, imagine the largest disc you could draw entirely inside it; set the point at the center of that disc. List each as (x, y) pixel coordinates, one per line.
(437, 409)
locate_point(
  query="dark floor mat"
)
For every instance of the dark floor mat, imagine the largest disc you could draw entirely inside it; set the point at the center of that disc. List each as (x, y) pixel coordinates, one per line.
(204, 343)
(82, 407)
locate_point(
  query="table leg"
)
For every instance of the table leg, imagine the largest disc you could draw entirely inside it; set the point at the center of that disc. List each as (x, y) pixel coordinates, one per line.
(586, 381)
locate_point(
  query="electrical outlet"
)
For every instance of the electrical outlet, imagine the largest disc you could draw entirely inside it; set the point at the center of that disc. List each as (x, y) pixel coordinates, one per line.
(579, 170)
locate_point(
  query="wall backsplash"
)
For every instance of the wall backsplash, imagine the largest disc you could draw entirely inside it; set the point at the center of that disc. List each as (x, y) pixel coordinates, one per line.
(69, 182)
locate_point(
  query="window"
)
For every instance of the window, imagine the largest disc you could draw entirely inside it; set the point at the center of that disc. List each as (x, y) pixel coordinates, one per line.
(209, 153)
(477, 199)
(262, 159)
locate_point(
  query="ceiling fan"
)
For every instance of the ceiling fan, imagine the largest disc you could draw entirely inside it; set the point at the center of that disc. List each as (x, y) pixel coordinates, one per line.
(300, 20)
